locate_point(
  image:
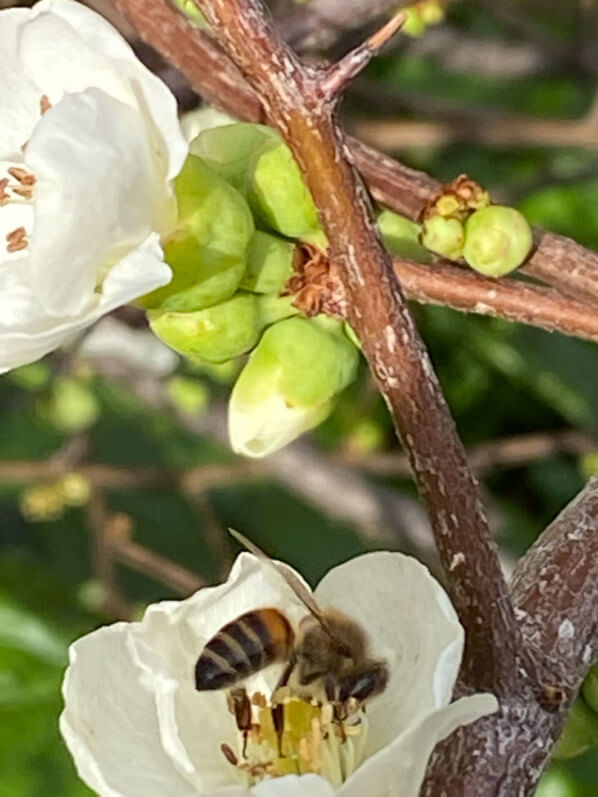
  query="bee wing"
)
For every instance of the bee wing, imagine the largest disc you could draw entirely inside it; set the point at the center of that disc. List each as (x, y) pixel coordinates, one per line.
(291, 579)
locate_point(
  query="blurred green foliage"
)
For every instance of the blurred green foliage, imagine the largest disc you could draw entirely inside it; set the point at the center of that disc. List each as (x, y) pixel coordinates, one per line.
(499, 379)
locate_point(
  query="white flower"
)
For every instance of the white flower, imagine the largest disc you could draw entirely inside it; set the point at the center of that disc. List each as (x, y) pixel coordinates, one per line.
(89, 145)
(137, 727)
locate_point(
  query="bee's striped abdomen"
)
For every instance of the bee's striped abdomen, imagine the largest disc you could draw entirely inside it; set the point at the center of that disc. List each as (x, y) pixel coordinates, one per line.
(243, 647)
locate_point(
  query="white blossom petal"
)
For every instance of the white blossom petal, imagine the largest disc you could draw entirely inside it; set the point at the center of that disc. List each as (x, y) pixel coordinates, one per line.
(109, 722)
(19, 98)
(129, 78)
(27, 332)
(295, 786)
(398, 770)
(411, 624)
(95, 172)
(260, 428)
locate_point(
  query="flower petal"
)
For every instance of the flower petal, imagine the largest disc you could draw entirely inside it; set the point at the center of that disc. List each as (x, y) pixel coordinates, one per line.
(399, 769)
(27, 332)
(167, 644)
(19, 97)
(96, 176)
(110, 724)
(411, 624)
(128, 77)
(295, 786)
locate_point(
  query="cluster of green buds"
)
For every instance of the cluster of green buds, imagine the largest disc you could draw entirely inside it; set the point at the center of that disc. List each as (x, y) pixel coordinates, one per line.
(243, 210)
(581, 730)
(47, 501)
(421, 15)
(462, 224)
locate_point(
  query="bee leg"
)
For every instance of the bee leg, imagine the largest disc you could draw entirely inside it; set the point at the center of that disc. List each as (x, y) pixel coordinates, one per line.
(278, 708)
(278, 722)
(240, 706)
(286, 674)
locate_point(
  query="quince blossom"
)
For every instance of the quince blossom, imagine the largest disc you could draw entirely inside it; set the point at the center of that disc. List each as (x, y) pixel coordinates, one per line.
(136, 726)
(89, 145)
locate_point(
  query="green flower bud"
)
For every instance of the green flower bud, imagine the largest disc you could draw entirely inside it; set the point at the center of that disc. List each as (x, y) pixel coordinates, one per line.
(269, 263)
(288, 384)
(256, 161)
(444, 236)
(414, 25)
(590, 688)
(41, 503)
(75, 489)
(230, 150)
(215, 334)
(497, 240)
(207, 254)
(204, 118)
(401, 236)
(71, 407)
(280, 198)
(221, 332)
(188, 395)
(432, 12)
(580, 733)
(192, 12)
(557, 782)
(31, 377)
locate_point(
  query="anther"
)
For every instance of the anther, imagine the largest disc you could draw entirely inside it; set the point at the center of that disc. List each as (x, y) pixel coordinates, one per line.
(22, 175)
(44, 104)
(4, 198)
(17, 240)
(229, 754)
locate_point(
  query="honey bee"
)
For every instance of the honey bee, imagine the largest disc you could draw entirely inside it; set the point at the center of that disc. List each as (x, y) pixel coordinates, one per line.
(328, 652)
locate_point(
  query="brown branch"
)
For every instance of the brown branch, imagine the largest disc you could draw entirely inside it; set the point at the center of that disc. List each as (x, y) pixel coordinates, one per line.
(555, 591)
(342, 72)
(525, 303)
(294, 102)
(195, 480)
(114, 603)
(510, 452)
(121, 548)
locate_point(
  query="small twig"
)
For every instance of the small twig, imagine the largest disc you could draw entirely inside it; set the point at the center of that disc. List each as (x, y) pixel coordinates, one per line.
(510, 452)
(121, 548)
(522, 302)
(342, 72)
(114, 603)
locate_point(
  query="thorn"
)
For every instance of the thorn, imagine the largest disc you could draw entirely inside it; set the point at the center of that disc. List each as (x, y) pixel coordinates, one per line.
(338, 75)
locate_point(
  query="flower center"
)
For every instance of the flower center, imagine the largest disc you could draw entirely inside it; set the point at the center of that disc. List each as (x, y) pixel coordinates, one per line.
(290, 735)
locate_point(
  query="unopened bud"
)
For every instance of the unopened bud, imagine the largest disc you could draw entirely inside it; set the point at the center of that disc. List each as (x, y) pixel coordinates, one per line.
(208, 252)
(401, 236)
(269, 263)
(580, 732)
(497, 240)
(445, 236)
(288, 384)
